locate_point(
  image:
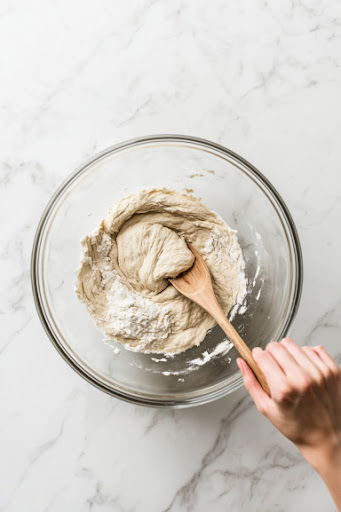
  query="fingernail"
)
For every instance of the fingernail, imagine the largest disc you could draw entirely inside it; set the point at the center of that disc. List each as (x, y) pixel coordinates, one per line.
(257, 349)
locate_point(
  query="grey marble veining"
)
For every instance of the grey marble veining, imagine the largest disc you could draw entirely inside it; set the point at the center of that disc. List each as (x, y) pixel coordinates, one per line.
(262, 78)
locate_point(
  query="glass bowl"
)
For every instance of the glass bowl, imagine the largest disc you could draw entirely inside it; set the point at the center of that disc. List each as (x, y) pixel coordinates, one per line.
(227, 184)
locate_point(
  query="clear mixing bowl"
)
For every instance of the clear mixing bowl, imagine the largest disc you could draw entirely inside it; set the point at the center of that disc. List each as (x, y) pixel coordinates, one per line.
(227, 184)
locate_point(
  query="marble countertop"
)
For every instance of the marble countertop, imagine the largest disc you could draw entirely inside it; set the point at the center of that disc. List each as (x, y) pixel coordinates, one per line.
(262, 78)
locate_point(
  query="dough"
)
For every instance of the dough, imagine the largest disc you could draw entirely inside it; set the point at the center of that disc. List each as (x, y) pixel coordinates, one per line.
(123, 279)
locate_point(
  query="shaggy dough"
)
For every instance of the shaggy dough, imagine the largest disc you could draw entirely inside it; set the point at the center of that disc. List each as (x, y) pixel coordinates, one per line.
(123, 279)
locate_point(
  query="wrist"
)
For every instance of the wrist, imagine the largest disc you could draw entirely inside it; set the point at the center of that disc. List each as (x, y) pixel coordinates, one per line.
(325, 457)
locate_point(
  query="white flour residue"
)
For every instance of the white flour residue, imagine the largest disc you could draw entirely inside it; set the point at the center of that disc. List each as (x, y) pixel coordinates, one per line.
(217, 244)
(133, 316)
(253, 280)
(259, 293)
(221, 349)
(110, 343)
(240, 306)
(105, 244)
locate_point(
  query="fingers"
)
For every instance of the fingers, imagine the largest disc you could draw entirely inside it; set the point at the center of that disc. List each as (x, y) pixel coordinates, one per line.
(302, 359)
(252, 385)
(286, 361)
(272, 370)
(327, 359)
(329, 370)
(287, 377)
(317, 361)
(291, 371)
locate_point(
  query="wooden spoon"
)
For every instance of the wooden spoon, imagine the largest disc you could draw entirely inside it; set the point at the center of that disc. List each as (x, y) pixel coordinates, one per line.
(195, 283)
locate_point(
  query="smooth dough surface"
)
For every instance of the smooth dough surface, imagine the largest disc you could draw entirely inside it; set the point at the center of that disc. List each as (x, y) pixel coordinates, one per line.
(123, 279)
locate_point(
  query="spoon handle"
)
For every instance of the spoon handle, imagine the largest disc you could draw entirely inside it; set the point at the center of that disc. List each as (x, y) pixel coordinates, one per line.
(243, 350)
(208, 301)
(196, 285)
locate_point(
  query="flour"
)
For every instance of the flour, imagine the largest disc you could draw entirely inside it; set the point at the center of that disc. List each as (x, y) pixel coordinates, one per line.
(221, 349)
(104, 245)
(216, 245)
(133, 316)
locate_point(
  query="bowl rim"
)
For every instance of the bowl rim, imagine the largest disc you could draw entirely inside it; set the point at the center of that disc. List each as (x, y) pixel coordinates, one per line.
(137, 141)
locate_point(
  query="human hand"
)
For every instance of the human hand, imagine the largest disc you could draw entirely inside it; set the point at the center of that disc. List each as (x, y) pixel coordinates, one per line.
(305, 402)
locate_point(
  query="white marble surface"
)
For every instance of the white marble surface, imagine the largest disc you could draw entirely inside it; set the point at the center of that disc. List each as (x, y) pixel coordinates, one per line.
(262, 78)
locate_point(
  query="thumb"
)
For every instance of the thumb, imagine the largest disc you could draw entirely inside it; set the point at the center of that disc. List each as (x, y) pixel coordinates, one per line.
(258, 395)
